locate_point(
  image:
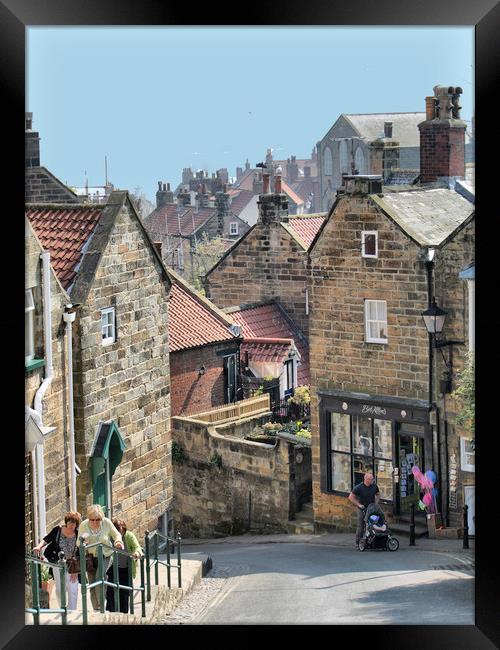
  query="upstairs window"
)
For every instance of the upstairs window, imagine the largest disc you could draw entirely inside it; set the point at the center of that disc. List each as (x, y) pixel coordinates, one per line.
(467, 455)
(108, 328)
(327, 162)
(233, 228)
(375, 321)
(29, 330)
(369, 243)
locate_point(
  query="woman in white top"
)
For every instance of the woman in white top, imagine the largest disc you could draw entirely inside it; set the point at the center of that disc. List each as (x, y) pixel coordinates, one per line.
(98, 528)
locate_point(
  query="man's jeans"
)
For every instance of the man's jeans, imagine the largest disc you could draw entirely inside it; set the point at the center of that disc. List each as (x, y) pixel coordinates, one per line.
(361, 524)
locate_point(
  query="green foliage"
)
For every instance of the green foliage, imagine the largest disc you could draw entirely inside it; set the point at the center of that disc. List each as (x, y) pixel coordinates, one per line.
(259, 391)
(297, 429)
(44, 572)
(465, 395)
(178, 453)
(216, 460)
(301, 396)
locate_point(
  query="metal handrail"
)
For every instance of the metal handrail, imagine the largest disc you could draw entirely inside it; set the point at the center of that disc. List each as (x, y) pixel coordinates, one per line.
(155, 537)
(102, 582)
(36, 581)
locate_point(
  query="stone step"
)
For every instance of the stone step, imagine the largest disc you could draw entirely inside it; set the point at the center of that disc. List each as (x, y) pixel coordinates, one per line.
(300, 528)
(307, 508)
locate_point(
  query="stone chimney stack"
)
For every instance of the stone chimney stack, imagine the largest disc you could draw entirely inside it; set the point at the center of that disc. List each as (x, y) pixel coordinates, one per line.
(442, 137)
(184, 198)
(257, 184)
(273, 207)
(387, 129)
(31, 144)
(202, 198)
(164, 195)
(384, 153)
(292, 170)
(222, 206)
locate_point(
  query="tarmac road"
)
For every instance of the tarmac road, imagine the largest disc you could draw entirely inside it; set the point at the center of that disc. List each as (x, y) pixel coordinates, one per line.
(308, 583)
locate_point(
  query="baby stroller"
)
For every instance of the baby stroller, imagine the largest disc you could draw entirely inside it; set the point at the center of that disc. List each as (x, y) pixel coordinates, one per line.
(377, 534)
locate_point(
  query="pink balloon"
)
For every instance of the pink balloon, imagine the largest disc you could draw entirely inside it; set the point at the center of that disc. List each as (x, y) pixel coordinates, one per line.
(427, 498)
(426, 482)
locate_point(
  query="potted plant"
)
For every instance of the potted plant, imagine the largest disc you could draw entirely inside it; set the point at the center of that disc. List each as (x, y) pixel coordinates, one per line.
(47, 586)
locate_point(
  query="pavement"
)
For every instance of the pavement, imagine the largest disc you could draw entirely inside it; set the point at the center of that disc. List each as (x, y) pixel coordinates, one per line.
(343, 540)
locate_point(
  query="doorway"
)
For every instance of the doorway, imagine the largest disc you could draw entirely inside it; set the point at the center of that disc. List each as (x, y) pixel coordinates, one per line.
(470, 500)
(410, 452)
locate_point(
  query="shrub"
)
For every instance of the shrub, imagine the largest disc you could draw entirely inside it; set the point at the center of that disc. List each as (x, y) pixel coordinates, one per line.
(178, 453)
(301, 396)
(216, 460)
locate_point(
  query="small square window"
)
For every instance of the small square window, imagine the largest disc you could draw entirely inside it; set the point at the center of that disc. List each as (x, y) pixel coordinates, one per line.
(233, 228)
(369, 243)
(375, 321)
(108, 328)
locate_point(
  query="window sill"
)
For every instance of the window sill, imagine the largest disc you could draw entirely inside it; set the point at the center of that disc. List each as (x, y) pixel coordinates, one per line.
(34, 364)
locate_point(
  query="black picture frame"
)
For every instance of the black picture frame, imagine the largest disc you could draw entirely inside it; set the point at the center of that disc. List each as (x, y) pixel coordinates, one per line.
(15, 16)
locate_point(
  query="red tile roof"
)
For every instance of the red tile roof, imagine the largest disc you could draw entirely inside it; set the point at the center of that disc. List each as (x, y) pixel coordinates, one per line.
(266, 352)
(240, 200)
(64, 231)
(306, 228)
(268, 321)
(170, 221)
(291, 194)
(191, 323)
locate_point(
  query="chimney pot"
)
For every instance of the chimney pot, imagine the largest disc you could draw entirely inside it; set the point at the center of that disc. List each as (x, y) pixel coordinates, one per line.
(265, 188)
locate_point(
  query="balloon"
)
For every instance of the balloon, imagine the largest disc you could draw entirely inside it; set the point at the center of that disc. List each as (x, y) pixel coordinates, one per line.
(431, 475)
(427, 483)
(415, 470)
(427, 499)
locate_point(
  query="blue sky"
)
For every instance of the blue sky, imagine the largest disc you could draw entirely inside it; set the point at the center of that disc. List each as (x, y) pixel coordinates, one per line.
(155, 100)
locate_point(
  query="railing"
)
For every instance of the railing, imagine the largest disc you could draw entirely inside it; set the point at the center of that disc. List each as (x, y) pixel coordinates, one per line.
(36, 583)
(102, 582)
(284, 411)
(244, 408)
(154, 542)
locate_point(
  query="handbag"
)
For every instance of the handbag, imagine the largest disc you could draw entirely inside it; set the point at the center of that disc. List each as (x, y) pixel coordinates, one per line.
(73, 564)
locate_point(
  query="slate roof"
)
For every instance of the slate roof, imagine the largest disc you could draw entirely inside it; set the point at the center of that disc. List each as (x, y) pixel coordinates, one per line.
(404, 126)
(402, 177)
(427, 216)
(304, 188)
(166, 220)
(63, 230)
(269, 321)
(305, 228)
(193, 320)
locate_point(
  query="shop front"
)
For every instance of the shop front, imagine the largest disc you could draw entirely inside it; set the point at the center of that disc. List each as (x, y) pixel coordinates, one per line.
(366, 433)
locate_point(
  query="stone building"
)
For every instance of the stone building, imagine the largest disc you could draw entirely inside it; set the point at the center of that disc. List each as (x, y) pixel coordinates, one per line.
(204, 349)
(375, 143)
(380, 387)
(47, 444)
(185, 231)
(269, 261)
(118, 286)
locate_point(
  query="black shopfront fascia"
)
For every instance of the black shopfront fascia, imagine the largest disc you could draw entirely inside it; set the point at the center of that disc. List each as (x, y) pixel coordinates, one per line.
(399, 411)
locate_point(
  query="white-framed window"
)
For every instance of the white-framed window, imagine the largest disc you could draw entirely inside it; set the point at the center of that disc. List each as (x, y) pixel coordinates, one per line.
(233, 228)
(467, 455)
(327, 162)
(375, 321)
(29, 330)
(108, 328)
(369, 243)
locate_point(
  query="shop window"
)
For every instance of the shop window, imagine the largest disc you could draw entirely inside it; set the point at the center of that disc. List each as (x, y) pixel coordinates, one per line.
(357, 445)
(369, 243)
(375, 321)
(467, 455)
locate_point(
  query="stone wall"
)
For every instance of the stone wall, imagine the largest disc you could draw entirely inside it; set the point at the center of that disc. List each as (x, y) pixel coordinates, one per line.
(54, 405)
(127, 381)
(267, 264)
(42, 187)
(192, 392)
(250, 490)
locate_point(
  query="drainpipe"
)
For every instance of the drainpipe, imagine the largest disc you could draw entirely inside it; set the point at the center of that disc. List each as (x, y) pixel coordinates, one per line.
(471, 284)
(49, 373)
(430, 266)
(69, 316)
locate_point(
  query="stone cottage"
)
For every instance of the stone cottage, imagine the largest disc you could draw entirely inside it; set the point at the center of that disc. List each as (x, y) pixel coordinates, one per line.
(269, 261)
(380, 384)
(118, 288)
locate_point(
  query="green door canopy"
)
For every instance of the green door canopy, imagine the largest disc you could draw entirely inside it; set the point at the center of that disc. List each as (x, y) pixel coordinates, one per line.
(108, 445)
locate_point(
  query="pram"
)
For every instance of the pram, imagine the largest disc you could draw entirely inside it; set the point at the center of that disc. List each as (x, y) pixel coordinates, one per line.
(376, 533)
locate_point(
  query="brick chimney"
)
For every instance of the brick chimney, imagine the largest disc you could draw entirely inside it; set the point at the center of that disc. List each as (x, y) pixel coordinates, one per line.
(442, 137)
(222, 206)
(31, 144)
(202, 197)
(164, 195)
